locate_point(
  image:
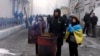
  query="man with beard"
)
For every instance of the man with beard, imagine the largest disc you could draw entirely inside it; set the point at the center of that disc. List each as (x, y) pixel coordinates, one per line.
(56, 27)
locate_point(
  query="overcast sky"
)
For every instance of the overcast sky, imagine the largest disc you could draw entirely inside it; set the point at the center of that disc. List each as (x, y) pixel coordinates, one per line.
(47, 6)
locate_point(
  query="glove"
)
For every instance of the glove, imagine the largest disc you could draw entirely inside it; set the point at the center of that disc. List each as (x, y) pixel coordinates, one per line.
(70, 28)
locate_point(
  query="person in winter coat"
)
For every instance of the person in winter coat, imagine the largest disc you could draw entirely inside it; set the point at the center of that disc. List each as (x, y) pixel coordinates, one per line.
(87, 22)
(30, 20)
(66, 21)
(74, 36)
(49, 18)
(94, 20)
(56, 28)
(38, 28)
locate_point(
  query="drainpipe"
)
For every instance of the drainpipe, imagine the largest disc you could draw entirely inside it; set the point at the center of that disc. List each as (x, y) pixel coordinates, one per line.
(18, 5)
(13, 8)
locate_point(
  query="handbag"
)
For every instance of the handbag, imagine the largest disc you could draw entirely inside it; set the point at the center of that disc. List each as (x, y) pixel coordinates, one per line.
(72, 39)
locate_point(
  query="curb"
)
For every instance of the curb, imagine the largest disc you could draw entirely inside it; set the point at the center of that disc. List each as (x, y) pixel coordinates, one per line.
(6, 32)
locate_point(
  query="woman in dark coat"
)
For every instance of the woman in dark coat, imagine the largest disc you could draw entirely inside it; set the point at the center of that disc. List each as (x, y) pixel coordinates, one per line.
(38, 28)
(74, 35)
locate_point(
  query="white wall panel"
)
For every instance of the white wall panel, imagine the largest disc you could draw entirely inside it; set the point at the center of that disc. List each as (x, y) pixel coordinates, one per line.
(6, 8)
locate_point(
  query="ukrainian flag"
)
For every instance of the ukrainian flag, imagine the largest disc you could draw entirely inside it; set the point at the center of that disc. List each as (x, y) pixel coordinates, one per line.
(77, 31)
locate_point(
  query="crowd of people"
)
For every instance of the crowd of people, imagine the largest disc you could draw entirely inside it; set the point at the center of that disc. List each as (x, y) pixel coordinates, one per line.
(63, 27)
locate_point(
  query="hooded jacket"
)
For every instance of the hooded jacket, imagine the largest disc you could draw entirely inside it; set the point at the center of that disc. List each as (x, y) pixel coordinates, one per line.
(56, 24)
(87, 18)
(94, 20)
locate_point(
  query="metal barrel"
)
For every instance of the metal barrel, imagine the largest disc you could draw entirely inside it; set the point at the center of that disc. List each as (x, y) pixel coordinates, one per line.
(47, 46)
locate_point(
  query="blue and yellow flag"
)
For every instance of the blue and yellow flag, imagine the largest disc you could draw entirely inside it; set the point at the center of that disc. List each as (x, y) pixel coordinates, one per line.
(77, 31)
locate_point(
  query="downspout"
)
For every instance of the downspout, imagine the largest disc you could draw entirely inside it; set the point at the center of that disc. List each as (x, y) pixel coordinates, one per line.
(17, 5)
(13, 9)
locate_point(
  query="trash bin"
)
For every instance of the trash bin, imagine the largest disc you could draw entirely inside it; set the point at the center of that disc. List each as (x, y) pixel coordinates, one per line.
(47, 45)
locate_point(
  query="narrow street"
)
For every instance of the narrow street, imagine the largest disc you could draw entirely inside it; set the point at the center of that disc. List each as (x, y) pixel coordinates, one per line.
(16, 45)
(58, 15)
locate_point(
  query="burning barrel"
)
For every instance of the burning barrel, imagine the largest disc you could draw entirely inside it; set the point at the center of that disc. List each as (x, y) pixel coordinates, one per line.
(47, 45)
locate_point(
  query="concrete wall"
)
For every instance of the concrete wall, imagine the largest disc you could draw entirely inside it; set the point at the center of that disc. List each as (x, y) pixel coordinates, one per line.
(6, 32)
(72, 4)
(64, 10)
(6, 8)
(97, 3)
(29, 10)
